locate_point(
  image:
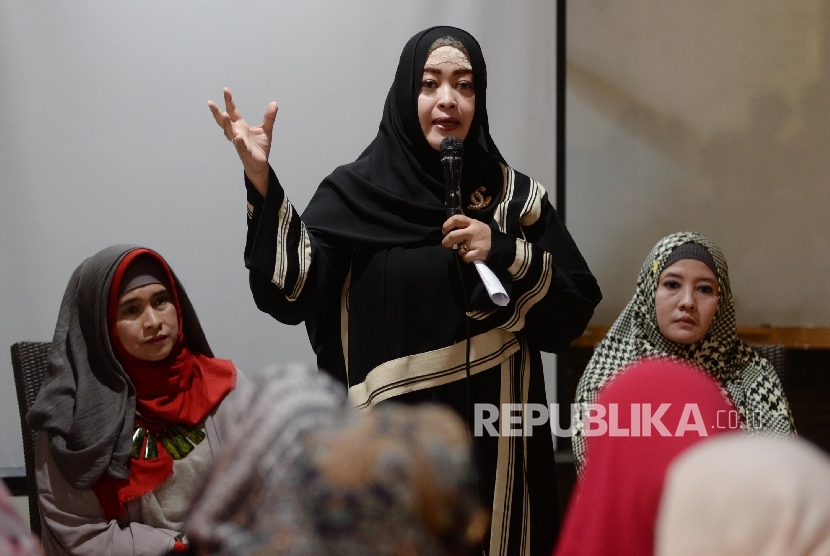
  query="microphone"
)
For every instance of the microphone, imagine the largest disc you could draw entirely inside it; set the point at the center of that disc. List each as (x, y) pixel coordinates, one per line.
(452, 159)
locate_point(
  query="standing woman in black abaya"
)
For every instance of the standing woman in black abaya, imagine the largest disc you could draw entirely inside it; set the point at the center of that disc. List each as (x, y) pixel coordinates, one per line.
(389, 311)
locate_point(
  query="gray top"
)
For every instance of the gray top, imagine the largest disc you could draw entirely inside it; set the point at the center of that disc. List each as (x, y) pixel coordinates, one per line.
(73, 521)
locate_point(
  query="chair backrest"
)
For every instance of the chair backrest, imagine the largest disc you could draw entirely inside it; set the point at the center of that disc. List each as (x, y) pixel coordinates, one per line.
(29, 365)
(777, 355)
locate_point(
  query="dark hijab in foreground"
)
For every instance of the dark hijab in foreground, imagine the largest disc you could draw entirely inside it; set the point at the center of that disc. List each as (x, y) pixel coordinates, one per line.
(92, 388)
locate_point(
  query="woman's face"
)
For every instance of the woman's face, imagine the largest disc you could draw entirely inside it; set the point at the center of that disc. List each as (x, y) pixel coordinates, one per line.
(147, 322)
(446, 102)
(686, 301)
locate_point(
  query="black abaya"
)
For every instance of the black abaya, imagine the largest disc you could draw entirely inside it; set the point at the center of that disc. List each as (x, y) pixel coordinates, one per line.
(385, 305)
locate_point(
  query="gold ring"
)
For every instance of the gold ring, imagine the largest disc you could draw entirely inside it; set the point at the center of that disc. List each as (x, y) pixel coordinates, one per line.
(463, 248)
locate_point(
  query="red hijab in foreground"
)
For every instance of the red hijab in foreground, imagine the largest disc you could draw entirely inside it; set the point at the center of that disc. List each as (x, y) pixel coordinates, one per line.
(613, 510)
(182, 388)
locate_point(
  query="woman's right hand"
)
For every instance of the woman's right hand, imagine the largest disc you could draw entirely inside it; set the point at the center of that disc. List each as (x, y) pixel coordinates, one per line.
(253, 144)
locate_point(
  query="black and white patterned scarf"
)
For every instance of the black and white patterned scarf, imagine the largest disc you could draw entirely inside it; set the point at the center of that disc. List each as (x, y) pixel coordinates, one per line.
(749, 379)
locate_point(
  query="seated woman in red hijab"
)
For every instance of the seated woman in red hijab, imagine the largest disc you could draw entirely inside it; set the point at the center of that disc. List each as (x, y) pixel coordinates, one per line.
(129, 415)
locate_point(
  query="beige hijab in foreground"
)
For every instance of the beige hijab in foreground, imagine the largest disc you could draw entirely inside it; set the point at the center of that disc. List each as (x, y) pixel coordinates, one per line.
(740, 495)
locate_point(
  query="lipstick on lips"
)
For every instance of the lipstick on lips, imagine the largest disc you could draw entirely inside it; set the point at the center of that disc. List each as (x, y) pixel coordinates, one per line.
(446, 123)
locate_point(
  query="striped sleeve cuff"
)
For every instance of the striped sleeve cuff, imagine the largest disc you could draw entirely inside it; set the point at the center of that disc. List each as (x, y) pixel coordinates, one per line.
(521, 262)
(502, 249)
(254, 200)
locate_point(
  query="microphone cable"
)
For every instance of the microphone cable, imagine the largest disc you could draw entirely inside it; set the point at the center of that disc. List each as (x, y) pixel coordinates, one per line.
(467, 373)
(452, 153)
(467, 341)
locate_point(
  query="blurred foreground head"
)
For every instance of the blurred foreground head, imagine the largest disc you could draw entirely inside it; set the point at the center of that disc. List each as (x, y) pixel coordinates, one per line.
(15, 537)
(744, 496)
(654, 411)
(305, 474)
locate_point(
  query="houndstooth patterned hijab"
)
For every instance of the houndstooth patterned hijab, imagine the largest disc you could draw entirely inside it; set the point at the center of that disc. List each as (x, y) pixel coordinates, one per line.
(749, 379)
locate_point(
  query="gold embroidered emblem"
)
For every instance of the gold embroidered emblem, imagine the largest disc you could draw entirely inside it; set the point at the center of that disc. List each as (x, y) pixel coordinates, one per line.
(477, 199)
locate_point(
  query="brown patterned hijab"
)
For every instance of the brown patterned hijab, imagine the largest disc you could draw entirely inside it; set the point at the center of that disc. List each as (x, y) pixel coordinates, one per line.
(306, 474)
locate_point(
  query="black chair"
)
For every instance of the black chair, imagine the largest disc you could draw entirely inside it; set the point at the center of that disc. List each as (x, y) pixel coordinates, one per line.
(777, 355)
(29, 365)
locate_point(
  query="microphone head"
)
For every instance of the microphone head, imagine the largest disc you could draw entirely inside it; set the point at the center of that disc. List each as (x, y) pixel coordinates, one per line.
(451, 147)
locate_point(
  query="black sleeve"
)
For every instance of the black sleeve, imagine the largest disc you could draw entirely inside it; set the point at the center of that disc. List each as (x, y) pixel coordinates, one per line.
(293, 275)
(553, 293)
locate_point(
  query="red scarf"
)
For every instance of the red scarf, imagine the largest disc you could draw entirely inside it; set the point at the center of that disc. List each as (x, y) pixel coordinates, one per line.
(182, 388)
(613, 509)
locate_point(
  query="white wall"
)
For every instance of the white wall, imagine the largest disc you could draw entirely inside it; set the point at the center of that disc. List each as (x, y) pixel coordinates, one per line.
(106, 137)
(711, 116)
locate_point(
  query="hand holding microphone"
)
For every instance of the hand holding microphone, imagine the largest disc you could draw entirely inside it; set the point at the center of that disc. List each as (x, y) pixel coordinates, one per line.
(471, 237)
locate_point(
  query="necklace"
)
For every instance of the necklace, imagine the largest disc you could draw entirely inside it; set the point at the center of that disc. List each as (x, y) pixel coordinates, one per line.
(176, 439)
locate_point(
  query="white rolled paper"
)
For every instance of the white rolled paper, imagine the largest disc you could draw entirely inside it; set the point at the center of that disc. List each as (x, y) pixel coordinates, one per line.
(494, 287)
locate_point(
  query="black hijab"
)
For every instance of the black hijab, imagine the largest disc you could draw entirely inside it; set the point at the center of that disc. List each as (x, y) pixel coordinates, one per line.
(393, 194)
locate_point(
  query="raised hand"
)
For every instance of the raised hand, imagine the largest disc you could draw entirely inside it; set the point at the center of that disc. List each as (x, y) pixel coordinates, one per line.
(473, 235)
(253, 144)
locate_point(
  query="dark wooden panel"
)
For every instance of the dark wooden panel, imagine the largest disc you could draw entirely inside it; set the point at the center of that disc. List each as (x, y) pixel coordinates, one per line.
(788, 336)
(808, 391)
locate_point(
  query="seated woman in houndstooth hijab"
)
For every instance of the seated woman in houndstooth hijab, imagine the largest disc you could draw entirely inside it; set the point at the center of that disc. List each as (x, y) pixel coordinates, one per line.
(683, 309)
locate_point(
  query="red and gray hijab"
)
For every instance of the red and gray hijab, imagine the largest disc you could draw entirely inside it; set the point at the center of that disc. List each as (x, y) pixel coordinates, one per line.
(93, 388)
